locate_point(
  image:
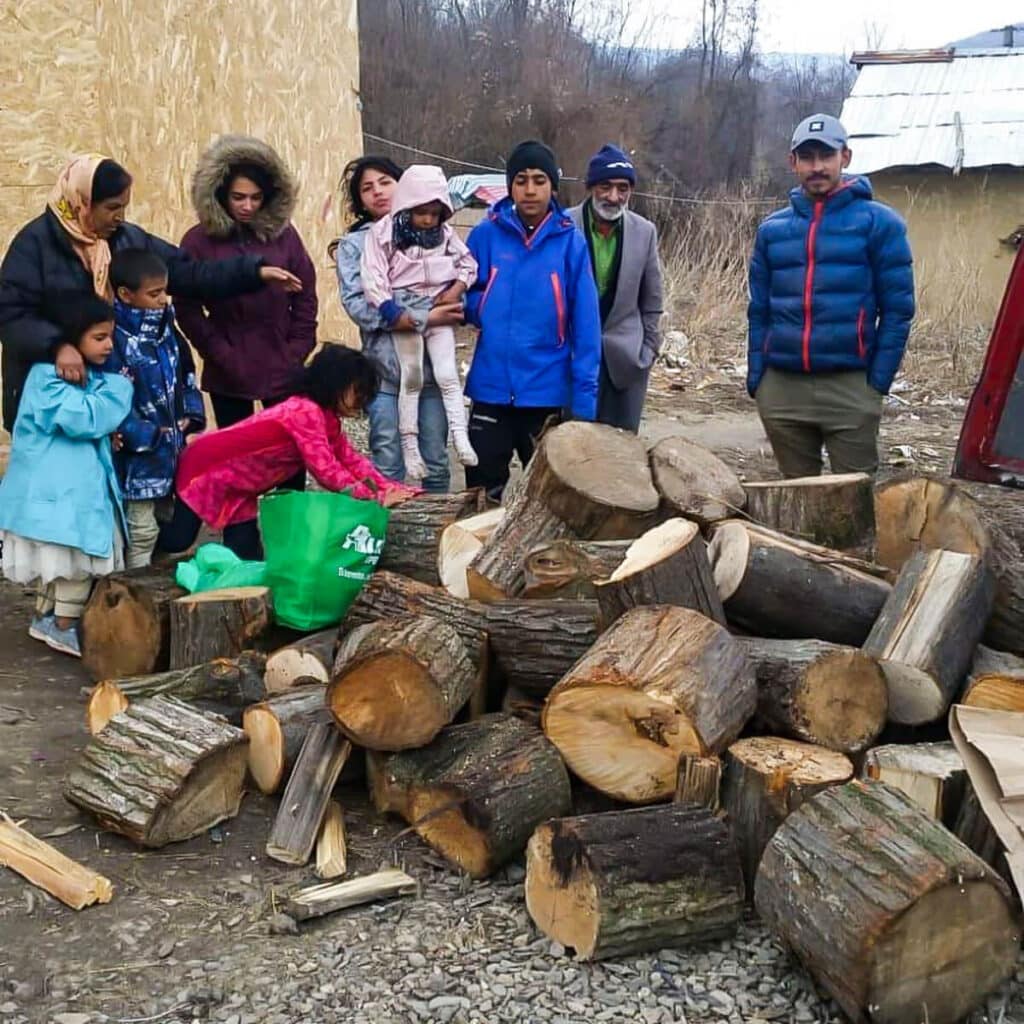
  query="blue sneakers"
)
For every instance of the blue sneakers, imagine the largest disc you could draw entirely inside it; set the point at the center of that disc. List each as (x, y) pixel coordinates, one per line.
(45, 628)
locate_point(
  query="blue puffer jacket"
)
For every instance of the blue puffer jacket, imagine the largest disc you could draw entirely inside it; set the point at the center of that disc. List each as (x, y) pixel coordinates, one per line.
(536, 305)
(831, 287)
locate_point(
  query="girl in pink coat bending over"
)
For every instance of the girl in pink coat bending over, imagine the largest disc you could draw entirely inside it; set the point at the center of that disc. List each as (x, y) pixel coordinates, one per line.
(413, 261)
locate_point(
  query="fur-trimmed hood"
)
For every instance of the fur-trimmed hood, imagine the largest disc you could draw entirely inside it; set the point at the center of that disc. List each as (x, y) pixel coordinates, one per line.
(212, 171)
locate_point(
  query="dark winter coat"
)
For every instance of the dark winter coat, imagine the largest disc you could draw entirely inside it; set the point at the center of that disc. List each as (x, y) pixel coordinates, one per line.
(40, 262)
(252, 345)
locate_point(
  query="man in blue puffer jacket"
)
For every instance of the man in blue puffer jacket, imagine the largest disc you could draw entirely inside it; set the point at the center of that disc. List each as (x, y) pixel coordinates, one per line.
(536, 305)
(831, 301)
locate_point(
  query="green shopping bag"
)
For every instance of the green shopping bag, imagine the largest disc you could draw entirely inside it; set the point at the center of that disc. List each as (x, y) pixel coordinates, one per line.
(320, 548)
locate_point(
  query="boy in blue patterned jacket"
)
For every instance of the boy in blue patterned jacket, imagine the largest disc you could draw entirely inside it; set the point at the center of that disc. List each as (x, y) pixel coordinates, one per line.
(167, 404)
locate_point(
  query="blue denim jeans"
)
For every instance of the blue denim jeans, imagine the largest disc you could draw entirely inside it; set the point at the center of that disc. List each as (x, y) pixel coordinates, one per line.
(386, 445)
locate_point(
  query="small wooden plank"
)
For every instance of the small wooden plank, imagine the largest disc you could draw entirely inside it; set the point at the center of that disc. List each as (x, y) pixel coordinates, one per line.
(318, 900)
(331, 848)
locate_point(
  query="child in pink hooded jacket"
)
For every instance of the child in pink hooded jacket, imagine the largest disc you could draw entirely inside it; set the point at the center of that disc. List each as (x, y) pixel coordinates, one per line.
(414, 260)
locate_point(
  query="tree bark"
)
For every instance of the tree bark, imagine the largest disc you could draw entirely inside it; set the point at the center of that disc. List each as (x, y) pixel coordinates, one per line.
(931, 774)
(628, 882)
(569, 569)
(925, 635)
(699, 781)
(218, 624)
(277, 728)
(659, 683)
(307, 660)
(161, 771)
(821, 693)
(887, 910)
(694, 483)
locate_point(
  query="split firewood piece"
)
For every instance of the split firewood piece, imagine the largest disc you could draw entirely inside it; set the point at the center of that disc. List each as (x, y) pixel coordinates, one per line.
(397, 682)
(694, 482)
(43, 865)
(631, 881)
(888, 911)
(277, 728)
(126, 624)
(667, 565)
(304, 803)
(570, 568)
(836, 511)
(460, 543)
(477, 792)
(924, 513)
(699, 781)
(765, 779)
(328, 897)
(927, 630)
(415, 529)
(105, 700)
(218, 624)
(773, 585)
(995, 692)
(821, 693)
(308, 660)
(585, 480)
(931, 774)
(331, 848)
(659, 683)
(161, 771)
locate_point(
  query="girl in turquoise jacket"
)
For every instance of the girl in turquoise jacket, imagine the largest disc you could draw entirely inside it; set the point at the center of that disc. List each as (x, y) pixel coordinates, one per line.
(61, 522)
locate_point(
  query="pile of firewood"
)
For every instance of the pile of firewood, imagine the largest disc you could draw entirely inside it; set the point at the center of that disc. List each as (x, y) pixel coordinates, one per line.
(733, 659)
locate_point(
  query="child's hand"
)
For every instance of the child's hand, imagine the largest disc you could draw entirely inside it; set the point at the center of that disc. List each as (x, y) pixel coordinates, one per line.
(117, 441)
(184, 424)
(451, 295)
(397, 496)
(70, 365)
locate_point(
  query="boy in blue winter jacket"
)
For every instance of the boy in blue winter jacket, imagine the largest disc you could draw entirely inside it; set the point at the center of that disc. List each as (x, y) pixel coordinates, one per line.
(167, 405)
(536, 305)
(831, 302)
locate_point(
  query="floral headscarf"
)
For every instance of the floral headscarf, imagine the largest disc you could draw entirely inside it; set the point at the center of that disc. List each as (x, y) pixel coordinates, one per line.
(71, 202)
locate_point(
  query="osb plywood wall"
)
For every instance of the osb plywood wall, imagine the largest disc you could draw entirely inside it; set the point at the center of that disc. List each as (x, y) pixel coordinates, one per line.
(152, 82)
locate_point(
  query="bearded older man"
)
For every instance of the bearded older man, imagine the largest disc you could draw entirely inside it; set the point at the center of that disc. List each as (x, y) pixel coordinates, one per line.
(624, 257)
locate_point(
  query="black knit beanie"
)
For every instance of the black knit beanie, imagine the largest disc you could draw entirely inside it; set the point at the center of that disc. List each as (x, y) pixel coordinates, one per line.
(532, 154)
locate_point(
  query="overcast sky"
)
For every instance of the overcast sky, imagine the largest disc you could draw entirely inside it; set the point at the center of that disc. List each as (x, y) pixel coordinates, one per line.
(803, 26)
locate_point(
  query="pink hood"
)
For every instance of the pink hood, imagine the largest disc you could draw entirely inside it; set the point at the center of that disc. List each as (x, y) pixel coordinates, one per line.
(421, 184)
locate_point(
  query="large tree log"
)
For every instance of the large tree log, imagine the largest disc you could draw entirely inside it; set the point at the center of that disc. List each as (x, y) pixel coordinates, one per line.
(926, 632)
(821, 693)
(924, 513)
(772, 585)
(694, 482)
(477, 792)
(585, 480)
(667, 565)
(308, 660)
(659, 683)
(891, 914)
(460, 543)
(931, 774)
(397, 682)
(218, 624)
(277, 728)
(126, 624)
(161, 771)
(631, 881)
(570, 568)
(765, 779)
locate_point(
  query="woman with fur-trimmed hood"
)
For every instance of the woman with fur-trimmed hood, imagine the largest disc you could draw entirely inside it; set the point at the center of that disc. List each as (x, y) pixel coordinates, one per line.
(252, 345)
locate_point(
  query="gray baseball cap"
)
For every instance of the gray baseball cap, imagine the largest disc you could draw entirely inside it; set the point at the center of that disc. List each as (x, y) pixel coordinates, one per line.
(823, 128)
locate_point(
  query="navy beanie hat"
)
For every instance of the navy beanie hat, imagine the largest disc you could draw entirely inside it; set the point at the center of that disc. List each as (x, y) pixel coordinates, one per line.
(610, 162)
(532, 154)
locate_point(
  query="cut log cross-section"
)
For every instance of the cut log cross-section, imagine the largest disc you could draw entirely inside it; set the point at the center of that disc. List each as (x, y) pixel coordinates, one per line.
(931, 774)
(821, 693)
(161, 771)
(926, 632)
(661, 682)
(694, 482)
(631, 881)
(397, 682)
(308, 660)
(667, 565)
(570, 568)
(277, 728)
(890, 913)
(218, 624)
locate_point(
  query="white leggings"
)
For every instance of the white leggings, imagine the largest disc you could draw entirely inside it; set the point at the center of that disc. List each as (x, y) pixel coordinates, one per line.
(440, 342)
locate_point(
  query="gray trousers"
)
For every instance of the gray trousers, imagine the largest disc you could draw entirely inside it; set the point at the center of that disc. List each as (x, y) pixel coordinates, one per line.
(621, 407)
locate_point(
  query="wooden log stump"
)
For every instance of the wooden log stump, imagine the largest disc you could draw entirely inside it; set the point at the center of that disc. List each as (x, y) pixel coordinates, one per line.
(890, 913)
(775, 586)
(277, 728)
(694, 482)
(632, 881)
(659, 683)
(477, 792)
(821, 693)
(931, 774)
(397, 682)
(836, 511)
(569, 569)
(927, 630)
(308, 660)
(699, 781)
(585, 480)
(218, 624)
(460, 543)
(160, 772)
(765, 779)
(126, 624)
(667, 565)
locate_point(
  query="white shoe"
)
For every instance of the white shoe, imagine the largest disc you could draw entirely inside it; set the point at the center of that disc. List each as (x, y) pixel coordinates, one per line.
(464, 450)
(415, 467)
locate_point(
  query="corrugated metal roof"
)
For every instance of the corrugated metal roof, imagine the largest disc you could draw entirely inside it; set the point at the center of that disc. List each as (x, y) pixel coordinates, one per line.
(907, 114)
